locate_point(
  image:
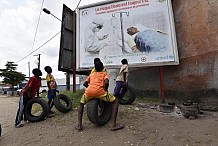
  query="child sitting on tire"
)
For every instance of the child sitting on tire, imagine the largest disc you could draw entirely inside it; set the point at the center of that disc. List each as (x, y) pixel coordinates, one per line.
(28, 92)
(97, 85)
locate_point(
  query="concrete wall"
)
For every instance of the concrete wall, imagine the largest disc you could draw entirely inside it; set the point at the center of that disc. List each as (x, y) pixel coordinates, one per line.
(196, 25)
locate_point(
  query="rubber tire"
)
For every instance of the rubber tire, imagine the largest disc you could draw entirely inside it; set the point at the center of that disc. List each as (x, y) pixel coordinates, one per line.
(45, 110)
(59, 106)
(93, 115)
(131, 98)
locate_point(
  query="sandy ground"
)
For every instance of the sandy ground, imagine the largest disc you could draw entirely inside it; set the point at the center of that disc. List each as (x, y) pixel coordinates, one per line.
(144, 126)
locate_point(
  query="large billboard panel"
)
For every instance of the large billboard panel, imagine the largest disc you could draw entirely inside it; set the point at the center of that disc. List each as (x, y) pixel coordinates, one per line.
(141, 31)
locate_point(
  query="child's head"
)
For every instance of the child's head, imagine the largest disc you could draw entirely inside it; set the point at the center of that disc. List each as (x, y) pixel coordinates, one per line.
(48, 69)
(132, 30)
(124, 61)
(99, 66)
(97, 60)
(37, 72)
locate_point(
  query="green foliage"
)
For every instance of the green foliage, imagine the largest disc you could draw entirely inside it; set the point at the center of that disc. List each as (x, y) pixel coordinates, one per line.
(10, 75)
(75, 97)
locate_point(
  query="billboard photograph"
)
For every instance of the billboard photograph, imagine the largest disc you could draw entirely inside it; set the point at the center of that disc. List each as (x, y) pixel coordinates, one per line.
(141, 31)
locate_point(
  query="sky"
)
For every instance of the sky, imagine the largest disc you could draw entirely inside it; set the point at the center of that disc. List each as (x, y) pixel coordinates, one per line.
(18, 23)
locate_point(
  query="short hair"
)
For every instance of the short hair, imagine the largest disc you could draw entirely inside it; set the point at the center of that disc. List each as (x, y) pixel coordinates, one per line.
(37, 72)
(99, 66)
(97, 60)
(124, 61)
(48, 69)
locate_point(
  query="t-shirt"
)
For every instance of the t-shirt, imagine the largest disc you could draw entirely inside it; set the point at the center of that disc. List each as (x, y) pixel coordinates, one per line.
(123, 69)
(96, 84)
(93, 70)
(52, 83)
(34, 83)
(131, 41)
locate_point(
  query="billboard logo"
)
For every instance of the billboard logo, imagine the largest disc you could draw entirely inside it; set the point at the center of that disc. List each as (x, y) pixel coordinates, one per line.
(85, 13)
(143, 59)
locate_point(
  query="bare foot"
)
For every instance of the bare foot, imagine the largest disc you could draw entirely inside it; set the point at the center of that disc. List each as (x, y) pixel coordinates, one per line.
(79, 129)
(117, 127)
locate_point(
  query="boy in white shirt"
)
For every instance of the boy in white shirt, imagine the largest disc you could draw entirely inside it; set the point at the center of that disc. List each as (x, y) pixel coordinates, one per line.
(121, 80)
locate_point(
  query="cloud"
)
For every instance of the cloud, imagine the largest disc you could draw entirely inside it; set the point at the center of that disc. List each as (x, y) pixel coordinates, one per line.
(18, 23)
(6, 2)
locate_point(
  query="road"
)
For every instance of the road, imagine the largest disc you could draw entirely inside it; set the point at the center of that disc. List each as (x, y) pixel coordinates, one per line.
(143, 126)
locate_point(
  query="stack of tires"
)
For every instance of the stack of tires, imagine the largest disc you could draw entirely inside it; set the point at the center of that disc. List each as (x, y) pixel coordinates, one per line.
(61, 102)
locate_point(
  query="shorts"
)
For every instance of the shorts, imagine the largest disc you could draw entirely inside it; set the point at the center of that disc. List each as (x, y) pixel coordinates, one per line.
(106, 97)
(51, 94)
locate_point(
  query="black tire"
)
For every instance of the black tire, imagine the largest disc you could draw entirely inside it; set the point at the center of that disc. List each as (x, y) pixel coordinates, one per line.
(44, 91)
(129, 97)
(33, 118)
(99, 111)
(58, 103)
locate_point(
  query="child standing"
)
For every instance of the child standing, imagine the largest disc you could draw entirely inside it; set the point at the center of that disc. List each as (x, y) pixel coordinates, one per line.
(28, 92)
(52, 87)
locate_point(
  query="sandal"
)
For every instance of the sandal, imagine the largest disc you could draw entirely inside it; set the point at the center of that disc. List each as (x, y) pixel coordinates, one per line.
(118, 127)
(19, 125)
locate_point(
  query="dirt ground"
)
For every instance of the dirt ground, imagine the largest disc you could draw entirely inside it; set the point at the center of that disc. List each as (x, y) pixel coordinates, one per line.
(143, 126)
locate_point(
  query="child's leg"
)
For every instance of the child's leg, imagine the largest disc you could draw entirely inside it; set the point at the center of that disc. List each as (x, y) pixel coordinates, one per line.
(53, 96)
(19, 116)
(80, 115)
(50, 99)
(115, 105)
(123, 92)
(114, 112)
(50, 102)
(117, 89)
(25, 100)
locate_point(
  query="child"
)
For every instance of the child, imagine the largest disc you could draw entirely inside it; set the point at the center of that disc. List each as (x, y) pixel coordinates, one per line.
(52, 87)
(26, 94)
(148, 40)
(97, 60)
(132, 31)
(97, 85)
(121, 80)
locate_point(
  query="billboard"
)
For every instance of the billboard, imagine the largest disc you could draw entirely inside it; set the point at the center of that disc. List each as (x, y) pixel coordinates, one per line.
(142, 31)
(67, 52)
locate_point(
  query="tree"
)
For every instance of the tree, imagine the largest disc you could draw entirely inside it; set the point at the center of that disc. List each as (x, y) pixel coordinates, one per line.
(11, 76)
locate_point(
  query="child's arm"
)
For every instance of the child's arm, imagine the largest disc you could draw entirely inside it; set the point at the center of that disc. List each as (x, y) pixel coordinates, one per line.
(86, 84)
(48, 84)
(106, 84)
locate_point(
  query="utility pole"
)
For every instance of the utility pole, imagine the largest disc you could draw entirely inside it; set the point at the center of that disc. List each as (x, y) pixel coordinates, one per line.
(68, 81)
(38, 67)
(38, 60)
(29, 68)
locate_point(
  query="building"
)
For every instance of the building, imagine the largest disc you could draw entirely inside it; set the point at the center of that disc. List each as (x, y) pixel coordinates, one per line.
(61, 84)
(196, 24)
